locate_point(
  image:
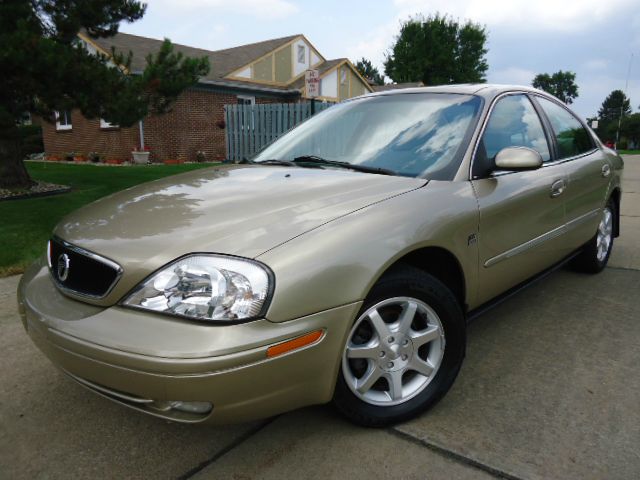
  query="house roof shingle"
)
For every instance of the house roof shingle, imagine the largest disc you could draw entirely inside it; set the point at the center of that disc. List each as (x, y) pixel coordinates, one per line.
(222, 62)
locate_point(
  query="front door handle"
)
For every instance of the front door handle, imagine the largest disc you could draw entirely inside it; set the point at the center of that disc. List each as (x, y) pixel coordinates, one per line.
(558, 187)
(606, 170)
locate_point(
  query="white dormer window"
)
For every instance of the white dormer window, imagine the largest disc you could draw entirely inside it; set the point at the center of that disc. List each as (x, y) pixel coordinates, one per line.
(343, 76)
(302, 54)
(63, 120)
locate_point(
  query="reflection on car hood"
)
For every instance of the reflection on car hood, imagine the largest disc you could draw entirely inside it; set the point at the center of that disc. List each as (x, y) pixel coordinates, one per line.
(241, 210)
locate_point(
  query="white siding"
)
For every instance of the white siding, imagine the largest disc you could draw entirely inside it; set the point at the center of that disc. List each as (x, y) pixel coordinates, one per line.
(246, 73)
(314, 58)
(329, 85)
(90, 48)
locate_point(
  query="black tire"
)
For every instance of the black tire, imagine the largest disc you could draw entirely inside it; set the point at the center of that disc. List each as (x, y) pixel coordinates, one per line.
(408, 281)
(587, 261)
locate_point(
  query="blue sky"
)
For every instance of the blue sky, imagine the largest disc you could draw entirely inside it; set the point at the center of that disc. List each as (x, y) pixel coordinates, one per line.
(593, 38)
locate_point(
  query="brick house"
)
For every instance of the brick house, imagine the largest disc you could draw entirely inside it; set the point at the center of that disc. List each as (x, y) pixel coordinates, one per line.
(266, 72)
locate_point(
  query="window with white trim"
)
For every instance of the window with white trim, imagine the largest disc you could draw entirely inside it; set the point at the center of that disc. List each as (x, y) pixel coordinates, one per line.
(25, 119)
(302, 54)
(343, 76)
(246, 100)
(63, 120)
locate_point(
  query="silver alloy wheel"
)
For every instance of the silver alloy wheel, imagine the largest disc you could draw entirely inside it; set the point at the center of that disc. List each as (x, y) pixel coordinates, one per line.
(604, 235)
(394, 351)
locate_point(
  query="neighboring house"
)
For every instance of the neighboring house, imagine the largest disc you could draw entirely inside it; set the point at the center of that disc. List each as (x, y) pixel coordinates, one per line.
(266, 72)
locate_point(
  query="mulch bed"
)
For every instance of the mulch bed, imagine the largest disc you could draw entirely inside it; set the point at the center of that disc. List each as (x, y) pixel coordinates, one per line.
(38, 189)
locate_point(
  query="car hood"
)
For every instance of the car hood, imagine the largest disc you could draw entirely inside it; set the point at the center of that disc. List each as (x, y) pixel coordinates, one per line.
(240, 210)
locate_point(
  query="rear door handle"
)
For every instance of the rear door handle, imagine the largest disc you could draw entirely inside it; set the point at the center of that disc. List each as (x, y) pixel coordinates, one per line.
(606, 170)
(558, 187)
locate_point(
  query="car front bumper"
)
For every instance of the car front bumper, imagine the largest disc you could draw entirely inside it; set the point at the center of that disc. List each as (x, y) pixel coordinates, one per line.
(146, 361)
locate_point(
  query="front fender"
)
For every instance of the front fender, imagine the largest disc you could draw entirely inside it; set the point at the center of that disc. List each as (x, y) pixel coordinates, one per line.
(339, 262)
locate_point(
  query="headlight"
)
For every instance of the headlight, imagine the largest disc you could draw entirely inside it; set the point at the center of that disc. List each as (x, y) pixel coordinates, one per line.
(205, 287)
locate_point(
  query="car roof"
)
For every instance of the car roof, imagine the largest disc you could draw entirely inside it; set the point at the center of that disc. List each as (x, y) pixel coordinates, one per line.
(487, 90)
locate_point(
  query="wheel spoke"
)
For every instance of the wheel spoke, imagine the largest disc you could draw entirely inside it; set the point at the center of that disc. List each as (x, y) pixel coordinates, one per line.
(604, 236)
(368, 350)
(392, 346)
(364, 384)
(427, 335)
(407, 315)
(379, 324)
(394, 379)
(420, 366)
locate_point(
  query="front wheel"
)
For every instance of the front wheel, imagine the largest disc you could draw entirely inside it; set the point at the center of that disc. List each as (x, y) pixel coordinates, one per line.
(403, 352)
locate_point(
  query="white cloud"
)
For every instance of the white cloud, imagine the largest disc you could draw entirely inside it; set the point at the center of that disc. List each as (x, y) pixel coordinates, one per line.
(635, 24)
(373, 45)
(594, 89)
(260, 8)
(517, 15)
(512, 76)
(567, 15)
(596, 64)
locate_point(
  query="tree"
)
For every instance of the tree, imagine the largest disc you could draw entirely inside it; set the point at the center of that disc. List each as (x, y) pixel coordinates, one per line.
(368, 71)
(613, 110)
(560, 84)
(630, 128)
(616, 105)
(438, 50)
(46, 68)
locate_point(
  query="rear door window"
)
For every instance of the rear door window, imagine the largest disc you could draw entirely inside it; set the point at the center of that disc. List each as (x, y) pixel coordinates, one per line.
(571, 137)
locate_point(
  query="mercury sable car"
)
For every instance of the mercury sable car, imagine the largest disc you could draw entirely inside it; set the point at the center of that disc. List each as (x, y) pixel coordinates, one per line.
(342, 263)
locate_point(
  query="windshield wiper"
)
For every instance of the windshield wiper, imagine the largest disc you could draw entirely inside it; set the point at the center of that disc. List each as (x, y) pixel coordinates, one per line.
(275, 161)
(334, 163)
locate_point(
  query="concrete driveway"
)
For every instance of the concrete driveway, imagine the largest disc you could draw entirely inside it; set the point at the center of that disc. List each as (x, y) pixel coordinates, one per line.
(550, 389)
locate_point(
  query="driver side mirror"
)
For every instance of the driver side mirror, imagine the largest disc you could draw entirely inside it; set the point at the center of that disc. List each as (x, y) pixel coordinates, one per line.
(518, 159)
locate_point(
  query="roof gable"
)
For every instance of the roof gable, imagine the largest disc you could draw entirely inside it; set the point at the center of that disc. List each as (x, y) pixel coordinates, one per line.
(226, 64)
(222, 62)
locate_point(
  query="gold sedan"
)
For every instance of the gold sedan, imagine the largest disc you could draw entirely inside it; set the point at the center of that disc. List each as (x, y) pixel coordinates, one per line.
(340, 264)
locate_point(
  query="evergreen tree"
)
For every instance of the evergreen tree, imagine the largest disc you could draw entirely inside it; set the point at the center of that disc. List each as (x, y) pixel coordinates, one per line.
(616, 105)
(613, 110)
(368, 71)
(46, 68)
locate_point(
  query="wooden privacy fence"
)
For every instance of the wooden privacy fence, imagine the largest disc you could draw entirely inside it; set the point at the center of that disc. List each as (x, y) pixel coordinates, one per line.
(249, 128)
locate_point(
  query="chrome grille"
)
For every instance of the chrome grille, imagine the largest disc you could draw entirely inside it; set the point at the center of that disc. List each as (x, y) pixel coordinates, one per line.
(80, 271)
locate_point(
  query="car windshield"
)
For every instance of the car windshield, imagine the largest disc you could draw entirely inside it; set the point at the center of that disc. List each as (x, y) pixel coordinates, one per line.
(414, 135)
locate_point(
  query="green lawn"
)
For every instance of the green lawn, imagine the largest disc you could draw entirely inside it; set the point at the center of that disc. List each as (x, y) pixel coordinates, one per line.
(628, 152)
(27, 223)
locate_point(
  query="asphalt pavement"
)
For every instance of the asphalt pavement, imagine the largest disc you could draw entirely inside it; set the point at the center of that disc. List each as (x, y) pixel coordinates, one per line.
(549, 389)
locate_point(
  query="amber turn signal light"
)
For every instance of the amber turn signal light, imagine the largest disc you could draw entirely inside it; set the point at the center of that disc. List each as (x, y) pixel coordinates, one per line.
(294, 344)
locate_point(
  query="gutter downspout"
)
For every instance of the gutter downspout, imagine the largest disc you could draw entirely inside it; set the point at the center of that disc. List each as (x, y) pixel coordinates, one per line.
(141, 135)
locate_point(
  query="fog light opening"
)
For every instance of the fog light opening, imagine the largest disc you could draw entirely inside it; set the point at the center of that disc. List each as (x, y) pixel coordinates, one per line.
(192, 407)
(200, 408)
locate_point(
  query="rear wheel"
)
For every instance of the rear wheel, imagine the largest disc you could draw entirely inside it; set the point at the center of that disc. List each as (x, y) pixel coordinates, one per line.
(403, 351)
(596, 253)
